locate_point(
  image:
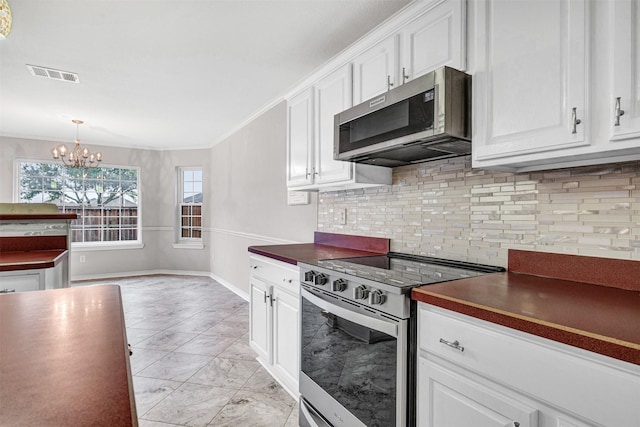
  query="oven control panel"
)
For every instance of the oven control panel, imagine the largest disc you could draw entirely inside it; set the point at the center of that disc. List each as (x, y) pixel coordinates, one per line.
(354, 290)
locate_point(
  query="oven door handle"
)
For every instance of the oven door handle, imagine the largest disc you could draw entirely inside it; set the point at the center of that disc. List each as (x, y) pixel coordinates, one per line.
(388, 327)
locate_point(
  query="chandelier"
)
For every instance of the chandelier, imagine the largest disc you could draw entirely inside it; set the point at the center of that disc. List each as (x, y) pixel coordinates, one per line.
(5, 19)
(79, 157)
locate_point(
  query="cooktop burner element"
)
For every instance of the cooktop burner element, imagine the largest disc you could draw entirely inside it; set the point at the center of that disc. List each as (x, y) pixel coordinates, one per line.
(406, 271)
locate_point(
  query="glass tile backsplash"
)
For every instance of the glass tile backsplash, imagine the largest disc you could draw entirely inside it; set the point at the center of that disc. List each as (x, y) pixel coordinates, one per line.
(447, 209)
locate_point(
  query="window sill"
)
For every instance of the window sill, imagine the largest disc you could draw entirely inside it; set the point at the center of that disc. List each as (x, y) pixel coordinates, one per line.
(188, 245)
(88, 247)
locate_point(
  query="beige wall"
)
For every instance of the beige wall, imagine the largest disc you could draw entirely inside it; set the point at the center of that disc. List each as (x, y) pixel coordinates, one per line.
(158, 198)
(249, 197)
(447, 209)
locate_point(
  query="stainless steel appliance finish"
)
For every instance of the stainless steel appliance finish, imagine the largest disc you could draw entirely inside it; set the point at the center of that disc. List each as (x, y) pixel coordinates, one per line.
(358, 335)
(428, 118)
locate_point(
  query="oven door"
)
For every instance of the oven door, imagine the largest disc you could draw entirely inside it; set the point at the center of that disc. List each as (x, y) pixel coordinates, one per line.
(353, 364)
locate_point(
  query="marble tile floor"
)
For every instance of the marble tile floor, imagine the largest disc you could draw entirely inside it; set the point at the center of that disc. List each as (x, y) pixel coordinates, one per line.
(192, 364)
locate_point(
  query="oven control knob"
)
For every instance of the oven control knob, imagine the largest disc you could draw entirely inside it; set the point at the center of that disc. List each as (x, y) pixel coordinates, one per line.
(361, 292)
(320, 279)
(309, 276)
(376, 297)
(339, 285)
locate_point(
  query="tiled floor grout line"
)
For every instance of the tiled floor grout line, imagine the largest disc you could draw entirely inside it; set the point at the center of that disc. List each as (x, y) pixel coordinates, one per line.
(251, 399)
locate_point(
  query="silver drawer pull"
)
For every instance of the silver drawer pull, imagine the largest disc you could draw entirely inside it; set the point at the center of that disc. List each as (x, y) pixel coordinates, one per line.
(6, 291)
(455, 344)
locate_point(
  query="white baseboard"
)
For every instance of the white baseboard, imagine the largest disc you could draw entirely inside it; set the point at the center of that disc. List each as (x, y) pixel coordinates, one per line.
(108, 276)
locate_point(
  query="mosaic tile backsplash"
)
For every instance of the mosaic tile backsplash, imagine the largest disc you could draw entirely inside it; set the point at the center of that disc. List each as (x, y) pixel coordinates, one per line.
(447, 209)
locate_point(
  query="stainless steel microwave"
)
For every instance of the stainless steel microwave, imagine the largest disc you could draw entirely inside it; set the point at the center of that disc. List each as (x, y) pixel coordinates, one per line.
(428, 118)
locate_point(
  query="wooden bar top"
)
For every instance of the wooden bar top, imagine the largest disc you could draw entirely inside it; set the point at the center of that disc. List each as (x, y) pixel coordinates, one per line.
(31, 260)
(37, 217)
(64, 359)
(601, 319)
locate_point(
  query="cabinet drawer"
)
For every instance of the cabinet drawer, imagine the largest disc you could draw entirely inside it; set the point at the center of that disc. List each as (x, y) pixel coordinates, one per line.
(598, 388)
(278, 273)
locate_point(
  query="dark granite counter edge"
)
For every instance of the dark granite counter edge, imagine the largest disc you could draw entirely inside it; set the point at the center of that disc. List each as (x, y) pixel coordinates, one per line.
(256, 250)
(628, 352)
(48, 259)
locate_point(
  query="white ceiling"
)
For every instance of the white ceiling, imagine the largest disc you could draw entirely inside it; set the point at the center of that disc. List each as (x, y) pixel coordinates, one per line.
(166, 74)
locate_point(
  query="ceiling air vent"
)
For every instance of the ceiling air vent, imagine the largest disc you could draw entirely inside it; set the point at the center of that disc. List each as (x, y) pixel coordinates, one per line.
(50, 73)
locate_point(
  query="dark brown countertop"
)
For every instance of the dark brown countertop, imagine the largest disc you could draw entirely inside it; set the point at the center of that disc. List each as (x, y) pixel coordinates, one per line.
(594, 317)
(31, 260)
(325, 246)
(295, 253)
(37, 216)
(64, 359)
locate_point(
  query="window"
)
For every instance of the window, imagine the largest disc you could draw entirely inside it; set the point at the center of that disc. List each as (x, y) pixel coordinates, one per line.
(190, 204)
(105, 198)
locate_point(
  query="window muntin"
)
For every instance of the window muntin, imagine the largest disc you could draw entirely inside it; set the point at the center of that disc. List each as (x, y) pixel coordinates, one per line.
(190, 204)
(106, 199)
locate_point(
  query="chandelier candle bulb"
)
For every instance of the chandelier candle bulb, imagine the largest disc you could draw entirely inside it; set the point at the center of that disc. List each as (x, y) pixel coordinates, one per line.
(79, 157)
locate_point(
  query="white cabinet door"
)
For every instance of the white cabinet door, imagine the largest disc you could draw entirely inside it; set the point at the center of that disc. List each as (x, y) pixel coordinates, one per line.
(22, 281)
(531, 82)
(625, 63)
(435, 39)
(375, 70)
(285, 337)
(260, 319)
(333, 95)
(447, 399)
(300, 139)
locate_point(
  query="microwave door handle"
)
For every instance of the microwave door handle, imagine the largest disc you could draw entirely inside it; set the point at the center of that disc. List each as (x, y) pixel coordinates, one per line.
(389, 328)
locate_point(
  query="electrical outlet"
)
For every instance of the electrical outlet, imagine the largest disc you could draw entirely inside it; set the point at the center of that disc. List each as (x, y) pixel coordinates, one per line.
(83, 258)
(342, 216)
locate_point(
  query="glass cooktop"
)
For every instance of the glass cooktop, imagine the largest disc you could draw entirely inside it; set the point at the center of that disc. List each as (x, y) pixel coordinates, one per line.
(406, 271)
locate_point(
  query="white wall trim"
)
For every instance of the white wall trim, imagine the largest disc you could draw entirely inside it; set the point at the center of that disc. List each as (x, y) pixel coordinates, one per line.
(248, 120)
(106, 277)
(89, 247)
(232, 288)
(252, 236)
(392, 25)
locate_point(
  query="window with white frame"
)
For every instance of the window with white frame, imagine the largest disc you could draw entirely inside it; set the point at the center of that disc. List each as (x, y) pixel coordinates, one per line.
(105, 198)
(190, 204)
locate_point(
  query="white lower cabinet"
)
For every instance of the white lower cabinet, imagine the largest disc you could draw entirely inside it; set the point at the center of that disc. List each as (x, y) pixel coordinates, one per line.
(456, 400)
(476, 373)
(273, 322)
(22, 281)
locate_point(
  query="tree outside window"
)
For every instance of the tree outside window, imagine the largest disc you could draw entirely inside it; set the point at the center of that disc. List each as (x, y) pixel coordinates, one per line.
(105, 198)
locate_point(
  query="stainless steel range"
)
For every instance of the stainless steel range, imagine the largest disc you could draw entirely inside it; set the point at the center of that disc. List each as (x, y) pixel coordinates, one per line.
(358, 335)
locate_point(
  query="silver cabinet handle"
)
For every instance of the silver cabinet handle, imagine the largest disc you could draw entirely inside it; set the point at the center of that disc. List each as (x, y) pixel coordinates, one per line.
(575, 120)
(389, 84)
(455, 344)
(6, 291)
(405, 76)
(265, 297)
(619, 112)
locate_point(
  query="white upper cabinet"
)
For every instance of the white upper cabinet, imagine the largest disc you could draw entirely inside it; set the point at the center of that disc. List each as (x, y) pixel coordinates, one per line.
(333, 95)
(300, 139)
(310, 163)
(375, 71)
(546, 76)
(530, 87)
(435, 39)
(624, 102)
(432, 39)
